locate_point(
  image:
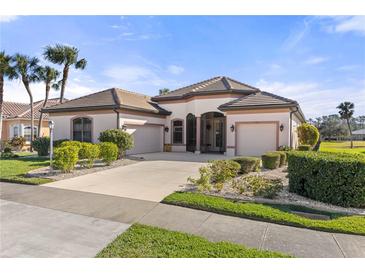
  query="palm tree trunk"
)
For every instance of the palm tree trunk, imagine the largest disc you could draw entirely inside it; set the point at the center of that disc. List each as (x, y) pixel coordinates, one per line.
(64, 81)
(48, 88)
(27, 87)
(1, 102)
(348, 124)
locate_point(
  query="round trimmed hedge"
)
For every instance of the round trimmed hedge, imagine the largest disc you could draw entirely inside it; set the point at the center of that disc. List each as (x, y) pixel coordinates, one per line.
(271, 160)
(335, 178)
(248, 164)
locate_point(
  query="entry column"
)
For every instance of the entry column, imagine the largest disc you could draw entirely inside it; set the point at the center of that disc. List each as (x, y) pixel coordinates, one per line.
(197, 137)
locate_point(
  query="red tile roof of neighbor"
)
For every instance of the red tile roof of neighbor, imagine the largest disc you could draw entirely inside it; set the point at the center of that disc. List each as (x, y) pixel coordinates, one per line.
(15, 110)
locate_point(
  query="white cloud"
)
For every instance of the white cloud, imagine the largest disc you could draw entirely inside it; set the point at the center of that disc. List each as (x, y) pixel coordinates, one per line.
(128, 75)
(348, 67)
(315, 60)
(343, 24)
(298, 34)
(173, 69)
(315, 99)
(8, 18)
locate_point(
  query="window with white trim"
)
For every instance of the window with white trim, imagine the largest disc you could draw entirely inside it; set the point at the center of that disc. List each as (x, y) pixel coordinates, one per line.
(81, 129)
(177, 131)
(27, 133)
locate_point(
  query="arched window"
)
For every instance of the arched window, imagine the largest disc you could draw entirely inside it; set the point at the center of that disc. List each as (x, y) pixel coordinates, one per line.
(81, 129)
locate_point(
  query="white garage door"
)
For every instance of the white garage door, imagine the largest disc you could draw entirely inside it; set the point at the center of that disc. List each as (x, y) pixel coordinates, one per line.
(147, 138)
(254, 139)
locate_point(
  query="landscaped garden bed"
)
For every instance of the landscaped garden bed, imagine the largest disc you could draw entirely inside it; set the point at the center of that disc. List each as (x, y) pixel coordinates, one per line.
(280, 214)
(141, 241)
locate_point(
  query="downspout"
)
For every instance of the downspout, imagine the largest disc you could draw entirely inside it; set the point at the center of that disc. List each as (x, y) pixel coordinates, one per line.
(118, 118)
(291, 127)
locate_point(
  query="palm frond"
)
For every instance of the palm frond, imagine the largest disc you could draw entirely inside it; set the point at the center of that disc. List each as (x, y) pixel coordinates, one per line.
(81, 64)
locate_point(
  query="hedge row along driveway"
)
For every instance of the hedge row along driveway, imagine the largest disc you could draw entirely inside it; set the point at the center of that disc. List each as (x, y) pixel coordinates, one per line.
(335, 178)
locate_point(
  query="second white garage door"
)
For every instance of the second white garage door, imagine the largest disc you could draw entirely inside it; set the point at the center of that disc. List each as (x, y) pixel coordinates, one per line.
(254, 139)
(147, 138)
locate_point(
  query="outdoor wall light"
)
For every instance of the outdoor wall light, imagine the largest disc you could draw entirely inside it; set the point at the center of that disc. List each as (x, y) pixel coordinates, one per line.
(232, 128)
(166, 129)
(281, 127)
(124, 127)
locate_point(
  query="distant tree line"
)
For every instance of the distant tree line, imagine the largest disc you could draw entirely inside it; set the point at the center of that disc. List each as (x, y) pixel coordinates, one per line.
(333, 127)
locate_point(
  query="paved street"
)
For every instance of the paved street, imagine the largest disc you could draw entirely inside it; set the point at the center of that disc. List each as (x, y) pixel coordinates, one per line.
(65, 209)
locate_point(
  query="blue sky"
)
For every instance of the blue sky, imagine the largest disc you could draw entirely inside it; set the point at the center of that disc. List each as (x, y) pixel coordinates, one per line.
(318, 61)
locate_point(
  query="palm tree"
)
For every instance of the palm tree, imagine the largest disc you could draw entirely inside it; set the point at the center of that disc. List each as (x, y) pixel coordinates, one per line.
(164, 91)
(66, 56)
(6, 70)
(49, 76)
(27, 69)
(346, 110)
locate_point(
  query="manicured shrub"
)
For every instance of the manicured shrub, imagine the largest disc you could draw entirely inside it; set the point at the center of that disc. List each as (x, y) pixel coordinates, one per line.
(59, 142)
(89, 152)
(270, 160)
(248, 164)
(41, 145)
(223, 170)
(71, 143)
(307, 134)
(335, 178)
(215, 175)
(264, 187)
(282, 157)
(17, 142)
(108, 152)
(7, 150)
(204, 181)
(121, 138)
(66, 157)
(304, 147)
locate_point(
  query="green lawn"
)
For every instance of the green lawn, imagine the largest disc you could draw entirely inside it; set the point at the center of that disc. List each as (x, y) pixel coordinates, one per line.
(343, 146)
(265, 212)
(13, 170)
(141, 241)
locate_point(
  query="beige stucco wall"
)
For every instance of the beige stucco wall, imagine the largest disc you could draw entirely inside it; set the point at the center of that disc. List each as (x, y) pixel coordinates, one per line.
(281, 117)
(196, 107)
(295, 123)
(100, 122)
(8, 124)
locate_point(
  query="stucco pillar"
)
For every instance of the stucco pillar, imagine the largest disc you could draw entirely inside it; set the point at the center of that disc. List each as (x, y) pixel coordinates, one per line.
(197, 138)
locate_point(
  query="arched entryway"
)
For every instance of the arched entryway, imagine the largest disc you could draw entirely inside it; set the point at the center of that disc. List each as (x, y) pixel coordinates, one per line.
(190, 132)
(213, 132)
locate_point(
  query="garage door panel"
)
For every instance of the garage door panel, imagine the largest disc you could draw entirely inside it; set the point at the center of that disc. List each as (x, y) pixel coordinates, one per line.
(147, 138)
(254, 139)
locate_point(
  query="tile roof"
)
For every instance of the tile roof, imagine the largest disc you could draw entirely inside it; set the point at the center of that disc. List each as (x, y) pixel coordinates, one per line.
(359, 131)
(259, 99)
(213, 85)
(13, 110)
(262, 99)
(112, 98)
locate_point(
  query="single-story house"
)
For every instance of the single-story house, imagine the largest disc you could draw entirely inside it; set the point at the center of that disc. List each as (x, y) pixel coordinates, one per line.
(358, 134)
(218, 115)
(16, 119)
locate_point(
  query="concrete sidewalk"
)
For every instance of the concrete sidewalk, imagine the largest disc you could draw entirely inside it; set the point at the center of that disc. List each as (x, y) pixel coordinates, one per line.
(295, 241)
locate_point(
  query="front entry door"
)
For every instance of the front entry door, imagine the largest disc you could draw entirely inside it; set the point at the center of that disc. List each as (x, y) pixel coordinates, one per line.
(218, 135)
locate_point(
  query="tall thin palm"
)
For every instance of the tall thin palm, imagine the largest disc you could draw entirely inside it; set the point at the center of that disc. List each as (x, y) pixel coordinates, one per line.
(346, 111)
(49, 77)
(6, 70)
(66, 56)
(27, 69)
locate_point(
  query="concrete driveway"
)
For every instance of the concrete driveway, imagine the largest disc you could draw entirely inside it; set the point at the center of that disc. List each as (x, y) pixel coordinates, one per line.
(151, 180)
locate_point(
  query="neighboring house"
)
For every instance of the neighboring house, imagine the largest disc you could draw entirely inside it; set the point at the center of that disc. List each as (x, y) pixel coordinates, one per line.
(358, 134)
(219, 115)
(16, 119)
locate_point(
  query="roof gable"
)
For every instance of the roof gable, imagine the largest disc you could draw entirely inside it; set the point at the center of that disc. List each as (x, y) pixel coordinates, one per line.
(213, 85)
(113, 98)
